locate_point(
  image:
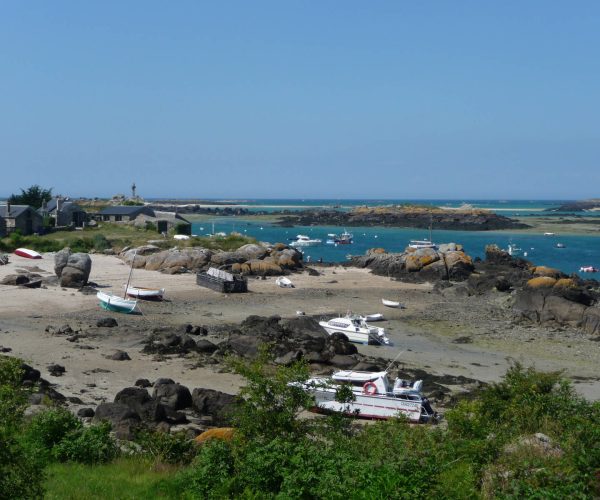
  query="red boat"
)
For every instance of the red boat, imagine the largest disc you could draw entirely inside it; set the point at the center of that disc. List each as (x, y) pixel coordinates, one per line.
(28, 254)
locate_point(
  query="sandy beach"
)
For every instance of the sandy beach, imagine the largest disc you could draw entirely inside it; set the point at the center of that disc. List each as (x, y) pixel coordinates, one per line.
(443, 335)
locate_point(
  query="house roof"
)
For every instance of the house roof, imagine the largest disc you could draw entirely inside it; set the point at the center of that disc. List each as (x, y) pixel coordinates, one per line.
(125, 210)
(65, 206)
(15, 210)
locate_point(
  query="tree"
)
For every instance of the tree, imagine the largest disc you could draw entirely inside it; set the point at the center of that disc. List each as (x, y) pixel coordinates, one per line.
(34, 196)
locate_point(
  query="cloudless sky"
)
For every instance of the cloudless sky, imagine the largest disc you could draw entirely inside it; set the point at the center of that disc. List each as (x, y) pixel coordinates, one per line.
(303, 99)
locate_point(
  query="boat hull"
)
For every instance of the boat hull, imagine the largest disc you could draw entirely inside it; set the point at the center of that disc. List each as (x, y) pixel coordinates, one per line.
(369, 407)
(116, 304)
(28, 254)
(146, 293)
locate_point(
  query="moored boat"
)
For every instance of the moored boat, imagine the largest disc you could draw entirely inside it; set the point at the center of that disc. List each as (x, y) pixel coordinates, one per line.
(145, 293)
(304, 241)
(356, 329)
(27, 253)
(374, 396)
(588, 269)
(418, 244)
(115, 303)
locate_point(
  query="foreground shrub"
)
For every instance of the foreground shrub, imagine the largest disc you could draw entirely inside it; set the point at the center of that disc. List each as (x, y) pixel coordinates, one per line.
(87, 445)
(21, 473)
(167, 448)
(489, 448)
(47, 429)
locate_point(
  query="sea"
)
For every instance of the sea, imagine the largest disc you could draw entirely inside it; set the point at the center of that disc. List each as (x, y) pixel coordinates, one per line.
(577, 251)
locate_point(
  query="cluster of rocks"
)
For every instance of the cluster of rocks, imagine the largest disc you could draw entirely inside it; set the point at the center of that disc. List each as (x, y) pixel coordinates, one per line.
(170, 407)
(447, 262)
(289, 340)
(402, 216)
(23, 278)
(250, 259)
(3, 259)
(540, 294)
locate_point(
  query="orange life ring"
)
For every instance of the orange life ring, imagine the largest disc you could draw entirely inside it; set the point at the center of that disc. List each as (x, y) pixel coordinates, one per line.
(370, 388)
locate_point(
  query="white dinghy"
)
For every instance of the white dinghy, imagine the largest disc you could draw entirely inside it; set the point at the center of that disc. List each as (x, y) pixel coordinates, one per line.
(392, 303)
(145, 293)
(284, 282)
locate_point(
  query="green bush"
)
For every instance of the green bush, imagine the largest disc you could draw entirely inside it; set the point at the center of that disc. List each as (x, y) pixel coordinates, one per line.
(87, 445)
(47, 429)
(167, 448)
(21, 473)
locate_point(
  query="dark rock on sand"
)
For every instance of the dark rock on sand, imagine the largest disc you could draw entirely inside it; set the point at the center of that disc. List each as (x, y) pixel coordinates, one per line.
(217, 404)
(86, 412)
(137, 399)
(174, 396)
(123, 419)
(56, 370)
(107, 322)
(119, 356)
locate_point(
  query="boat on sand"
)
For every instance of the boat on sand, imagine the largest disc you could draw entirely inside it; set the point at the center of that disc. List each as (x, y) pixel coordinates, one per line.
(115, 303)
(284, 282)
(392, 303)
(375, 396)
(27, 253)
(145, 293)
(355, 329)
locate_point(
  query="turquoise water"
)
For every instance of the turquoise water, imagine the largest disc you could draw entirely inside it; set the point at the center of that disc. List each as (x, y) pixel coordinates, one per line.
(579, 251)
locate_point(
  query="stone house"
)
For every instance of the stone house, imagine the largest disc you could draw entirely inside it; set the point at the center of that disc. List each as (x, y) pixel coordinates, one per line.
(122, 213)
(64, 212)
(21, 217)
(165, 221)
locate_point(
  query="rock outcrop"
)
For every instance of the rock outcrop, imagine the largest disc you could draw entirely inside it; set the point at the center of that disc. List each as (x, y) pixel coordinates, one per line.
(250, 259)
(72, 269)
(448, 262)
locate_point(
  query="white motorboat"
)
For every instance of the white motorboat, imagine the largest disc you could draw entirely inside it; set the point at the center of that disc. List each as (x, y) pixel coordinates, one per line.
(392, 303)
(145, 293)
(304, 241)
(284, 282)
(181, 237)
(375, 396)
(588, 269)
(356, 329)
(548, 234)
(115, 303)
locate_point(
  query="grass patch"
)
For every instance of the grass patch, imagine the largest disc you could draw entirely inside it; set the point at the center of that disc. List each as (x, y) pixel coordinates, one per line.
(116, 236)
(125, 478)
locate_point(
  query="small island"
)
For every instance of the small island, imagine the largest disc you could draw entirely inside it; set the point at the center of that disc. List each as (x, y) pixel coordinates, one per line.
(414, 216)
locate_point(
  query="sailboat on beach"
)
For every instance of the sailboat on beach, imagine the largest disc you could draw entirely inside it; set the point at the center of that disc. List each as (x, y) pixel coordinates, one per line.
(112, 302)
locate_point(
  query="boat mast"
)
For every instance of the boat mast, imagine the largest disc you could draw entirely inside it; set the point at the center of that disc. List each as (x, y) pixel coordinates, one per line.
(130, 272)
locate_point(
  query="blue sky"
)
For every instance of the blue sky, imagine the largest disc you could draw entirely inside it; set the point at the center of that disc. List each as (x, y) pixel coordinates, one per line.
(397, 99)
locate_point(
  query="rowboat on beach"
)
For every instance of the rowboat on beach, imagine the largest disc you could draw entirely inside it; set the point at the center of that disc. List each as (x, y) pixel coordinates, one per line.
(115, 303)
(392, 303)
(284, 282)
(145, 293)
(27, 253)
